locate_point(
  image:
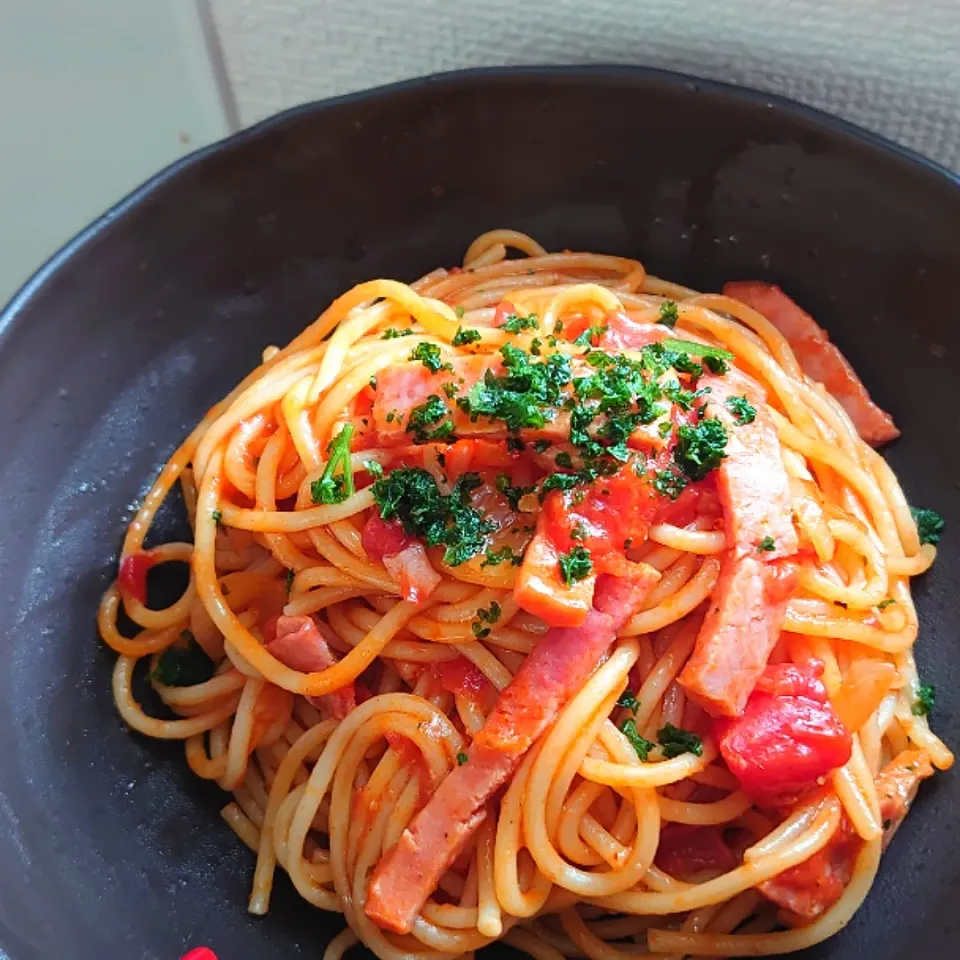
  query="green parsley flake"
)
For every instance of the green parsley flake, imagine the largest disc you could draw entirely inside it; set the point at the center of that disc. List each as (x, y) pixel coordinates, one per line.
(767, 544)
(668, 314)
(715, 365)
(495, 557)
(289, 580)
(586, 338)
(929, 524)
(676, 741)
(926, 700)
(575, 565)
(701, 448)
(744, 410)
(391, 333)
(515, 323)
(411, 495)
(459, 310)
(183, 666)
(331, 489)
(512, 493)
(485, 616)
(461, 759)
(217, 516)
(640, 744)
(697, 349)
(628, 701)
(431, 411)
(429, 355)
(883, 604)
(463, 338)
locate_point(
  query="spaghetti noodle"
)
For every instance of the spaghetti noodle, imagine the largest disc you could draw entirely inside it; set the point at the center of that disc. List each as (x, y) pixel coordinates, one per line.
(545, 600)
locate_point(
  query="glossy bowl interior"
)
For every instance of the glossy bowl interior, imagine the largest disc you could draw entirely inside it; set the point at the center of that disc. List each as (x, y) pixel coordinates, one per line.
(108, 846)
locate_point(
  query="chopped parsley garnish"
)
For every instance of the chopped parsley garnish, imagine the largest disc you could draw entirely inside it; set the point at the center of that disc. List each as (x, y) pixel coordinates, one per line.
(697, 349)
(668, 314)
(431, 411)
(578, 531)
(883, 604)
(586, 338)
(461, 758)
(522, 397)
(331, 489)
(669, 483)
(429, 355)
(715, 365)
(391, 333)
(628, 701)
(515, 323)
(665, 428)
(217, 516)
(744, 410)
(560, 481)
(641, 744)
(767, 544)
(464, 337)
(541, 445)
(511, 492)
(564, 459)
(484, 616)
(459, 310)
(411, 495)
(373, 468)
(183, 666)
(575, 565)
(676, 741)
(495, 557)
(701, 448)
(929, 524)
(926, 700)
(289, 580)
(450, 389)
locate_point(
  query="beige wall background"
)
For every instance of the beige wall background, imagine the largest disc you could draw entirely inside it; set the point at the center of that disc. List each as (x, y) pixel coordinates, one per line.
(889, 65)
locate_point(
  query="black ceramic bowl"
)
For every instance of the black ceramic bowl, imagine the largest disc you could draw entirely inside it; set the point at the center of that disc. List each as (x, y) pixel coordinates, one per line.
(108, 846)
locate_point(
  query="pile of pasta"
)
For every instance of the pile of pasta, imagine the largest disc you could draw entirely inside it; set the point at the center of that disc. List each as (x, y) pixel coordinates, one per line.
(583, 850)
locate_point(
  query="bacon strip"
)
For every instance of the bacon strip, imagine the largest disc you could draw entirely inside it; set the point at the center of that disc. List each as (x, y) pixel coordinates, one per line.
(810, 888)
(818, 357)
(744, 621)
(299, 645)
(555, 670)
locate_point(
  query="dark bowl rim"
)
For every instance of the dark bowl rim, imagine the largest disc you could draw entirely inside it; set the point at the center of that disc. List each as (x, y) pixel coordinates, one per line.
(813, 116)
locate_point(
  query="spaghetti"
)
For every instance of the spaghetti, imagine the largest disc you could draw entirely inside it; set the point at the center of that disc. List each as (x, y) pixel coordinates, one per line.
(545, 600)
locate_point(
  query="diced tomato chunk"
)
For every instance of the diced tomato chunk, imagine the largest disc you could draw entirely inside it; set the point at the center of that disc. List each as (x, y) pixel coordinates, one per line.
(602, 516)
(460, 676)
(791, 680)
(686, 850)
(384, 538)
(784, 744)
(199, 953)
(504, 309)
(133, 575)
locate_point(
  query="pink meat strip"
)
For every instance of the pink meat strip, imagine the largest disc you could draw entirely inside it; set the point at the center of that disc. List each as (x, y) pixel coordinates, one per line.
(818, 357)
(299, 645)
(555, 670)
(744, 621)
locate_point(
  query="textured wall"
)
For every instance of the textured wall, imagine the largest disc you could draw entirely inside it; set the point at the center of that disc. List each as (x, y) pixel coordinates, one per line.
(889, 65)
